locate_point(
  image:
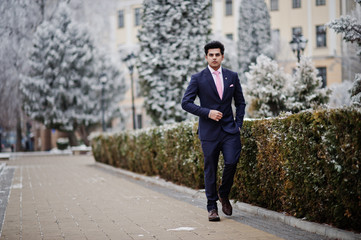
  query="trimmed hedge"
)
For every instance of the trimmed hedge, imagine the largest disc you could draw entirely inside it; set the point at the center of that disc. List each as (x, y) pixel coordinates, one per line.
(306, 164)
(172, 152)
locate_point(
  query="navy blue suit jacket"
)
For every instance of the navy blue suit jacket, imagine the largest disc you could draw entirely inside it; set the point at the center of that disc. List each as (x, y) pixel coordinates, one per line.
(203, 86)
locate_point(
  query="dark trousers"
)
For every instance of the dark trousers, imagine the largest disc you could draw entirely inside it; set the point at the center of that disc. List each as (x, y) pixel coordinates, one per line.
(230, 145)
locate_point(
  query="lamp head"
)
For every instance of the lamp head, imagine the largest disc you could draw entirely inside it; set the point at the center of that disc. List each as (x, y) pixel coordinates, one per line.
(298, 42)
(303, 42)
(130, 62)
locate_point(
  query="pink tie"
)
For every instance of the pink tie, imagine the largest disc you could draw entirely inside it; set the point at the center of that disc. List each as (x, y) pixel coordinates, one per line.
(218, 84)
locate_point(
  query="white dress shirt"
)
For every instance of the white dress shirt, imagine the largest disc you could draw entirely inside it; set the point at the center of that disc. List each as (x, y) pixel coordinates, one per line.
(214, 76)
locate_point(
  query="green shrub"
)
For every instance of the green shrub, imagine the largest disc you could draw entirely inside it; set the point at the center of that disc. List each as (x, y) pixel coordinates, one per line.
(306, 164)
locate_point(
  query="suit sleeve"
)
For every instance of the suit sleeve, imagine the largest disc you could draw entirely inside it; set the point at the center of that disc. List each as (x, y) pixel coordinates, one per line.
(189, 97)
(239, 103)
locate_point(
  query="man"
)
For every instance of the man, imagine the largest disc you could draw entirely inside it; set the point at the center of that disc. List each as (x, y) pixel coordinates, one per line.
(218, 130)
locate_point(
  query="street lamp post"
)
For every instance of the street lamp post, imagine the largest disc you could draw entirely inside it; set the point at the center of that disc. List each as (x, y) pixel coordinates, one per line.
(130, 61)
(298, 45)
(103, 80)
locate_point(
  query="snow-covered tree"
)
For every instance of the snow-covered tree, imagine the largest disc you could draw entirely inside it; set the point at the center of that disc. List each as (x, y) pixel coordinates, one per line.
(356, 91)
(171, 39)
(350, 28)
(114, 91)
(306, 91)
(340, 94)
(254, 33)
(18, 21)
(62, 89)
(267, 88)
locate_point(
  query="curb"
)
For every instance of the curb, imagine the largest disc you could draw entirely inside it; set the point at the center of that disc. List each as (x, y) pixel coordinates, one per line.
(320, 229)
(16, 155)
(312, 227)
(2, 166)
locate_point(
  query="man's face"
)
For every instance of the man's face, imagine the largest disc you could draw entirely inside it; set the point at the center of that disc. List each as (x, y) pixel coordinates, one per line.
(214, 58)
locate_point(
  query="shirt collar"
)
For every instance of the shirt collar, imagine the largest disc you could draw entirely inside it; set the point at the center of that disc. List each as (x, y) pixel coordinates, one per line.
(212, 70)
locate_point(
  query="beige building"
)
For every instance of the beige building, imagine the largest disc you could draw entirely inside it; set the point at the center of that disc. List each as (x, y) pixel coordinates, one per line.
(288, 17)
(308, 17)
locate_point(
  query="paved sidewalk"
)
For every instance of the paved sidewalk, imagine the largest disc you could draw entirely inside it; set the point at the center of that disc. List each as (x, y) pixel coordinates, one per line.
(69, 197)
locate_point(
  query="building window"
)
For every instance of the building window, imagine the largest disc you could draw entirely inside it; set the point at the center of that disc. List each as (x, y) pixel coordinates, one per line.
(229, 36)
(322, 72)
(274, 5)
(296, 3)
(296, 31)
(120, 18)
(320, 2)
(228, 7)
(137, 16)
(321, 36)
(139, 121)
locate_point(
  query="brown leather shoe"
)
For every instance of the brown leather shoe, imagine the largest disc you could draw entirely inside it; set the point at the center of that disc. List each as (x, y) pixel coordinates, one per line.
(213, 216)
(226, 205)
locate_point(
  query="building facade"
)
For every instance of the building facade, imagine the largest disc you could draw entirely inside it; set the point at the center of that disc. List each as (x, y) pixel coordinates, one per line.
(288, 17)
(308, 17)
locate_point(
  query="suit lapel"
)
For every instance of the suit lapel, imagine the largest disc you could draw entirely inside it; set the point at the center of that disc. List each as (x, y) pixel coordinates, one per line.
(210, 81)
(226, 82)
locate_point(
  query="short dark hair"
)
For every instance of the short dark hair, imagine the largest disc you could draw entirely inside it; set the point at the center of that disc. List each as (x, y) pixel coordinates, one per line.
(212, 45)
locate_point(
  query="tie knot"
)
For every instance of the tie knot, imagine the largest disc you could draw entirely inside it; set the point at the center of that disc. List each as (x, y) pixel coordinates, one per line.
(216, 72)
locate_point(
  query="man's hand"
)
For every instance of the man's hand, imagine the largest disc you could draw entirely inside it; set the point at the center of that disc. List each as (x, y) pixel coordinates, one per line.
(215, 115)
